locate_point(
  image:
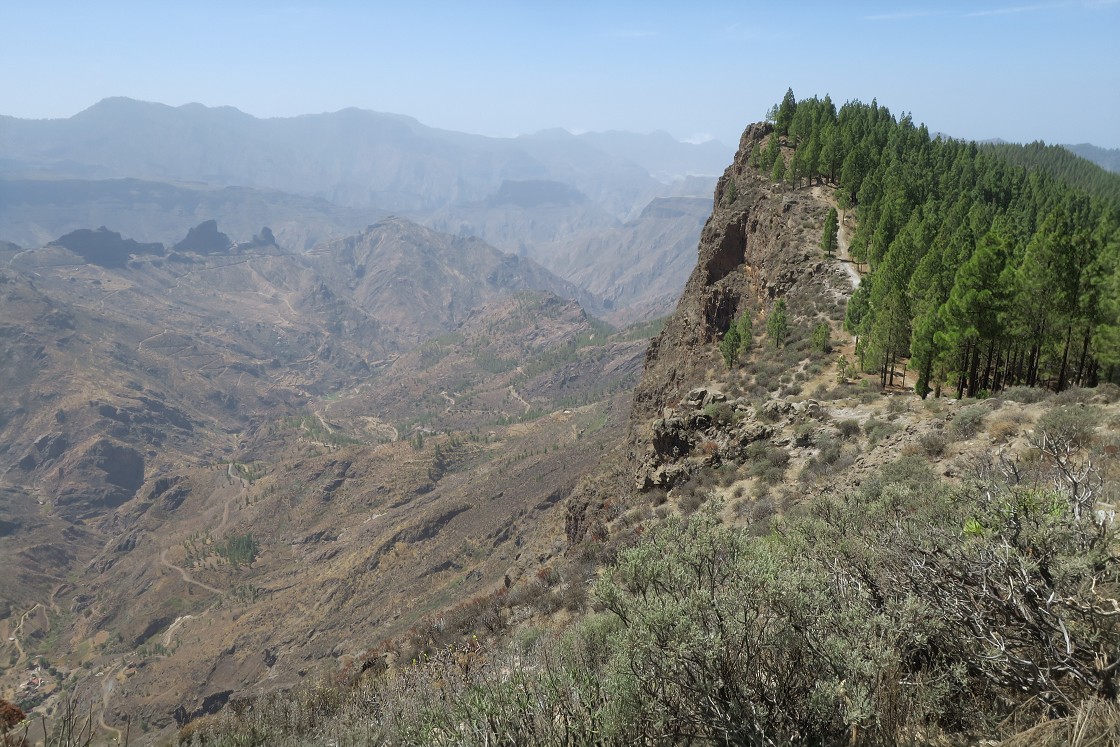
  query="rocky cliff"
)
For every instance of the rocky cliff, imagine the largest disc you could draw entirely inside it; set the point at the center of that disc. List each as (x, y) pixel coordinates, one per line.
(759, 244)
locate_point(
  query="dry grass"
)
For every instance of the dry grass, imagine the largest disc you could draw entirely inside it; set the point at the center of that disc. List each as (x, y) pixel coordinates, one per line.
(1003, 429)
(1095, 723)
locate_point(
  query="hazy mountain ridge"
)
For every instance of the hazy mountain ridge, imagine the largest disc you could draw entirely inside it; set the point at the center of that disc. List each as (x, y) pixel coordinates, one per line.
(352, 157)
(318, 177)
(1107, 158)
(35, 211)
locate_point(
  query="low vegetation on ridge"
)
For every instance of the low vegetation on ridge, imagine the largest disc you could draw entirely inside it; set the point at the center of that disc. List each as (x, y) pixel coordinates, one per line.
(962, 590)
(903, 610)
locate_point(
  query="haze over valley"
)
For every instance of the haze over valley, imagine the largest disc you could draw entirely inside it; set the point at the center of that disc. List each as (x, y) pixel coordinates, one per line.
(670, 410)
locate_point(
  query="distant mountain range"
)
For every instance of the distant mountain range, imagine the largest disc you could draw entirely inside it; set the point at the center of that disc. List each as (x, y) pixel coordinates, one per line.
(1107, 158)
(151, 172)
(352, 157)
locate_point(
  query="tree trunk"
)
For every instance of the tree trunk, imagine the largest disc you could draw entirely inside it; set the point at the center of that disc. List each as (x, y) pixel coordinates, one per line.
(983, 383)
(922, 387)
(974, 371)
(1081, 378)
(963, 373)
(1032, 363)
(1065, 360)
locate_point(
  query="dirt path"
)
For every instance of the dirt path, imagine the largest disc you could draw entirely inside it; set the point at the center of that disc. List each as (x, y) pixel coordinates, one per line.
(513, 393)
(171, 629)
(107, 297)
(845, 257)
(15, 635)
(51, 599)
(140, 345)
(186, 576)
(108, 682)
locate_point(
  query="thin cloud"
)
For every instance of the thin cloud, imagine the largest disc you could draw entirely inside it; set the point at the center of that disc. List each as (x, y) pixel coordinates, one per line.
(699, 138)
(903, 15)
(1014, 9)
(630, 34)
(739, 32)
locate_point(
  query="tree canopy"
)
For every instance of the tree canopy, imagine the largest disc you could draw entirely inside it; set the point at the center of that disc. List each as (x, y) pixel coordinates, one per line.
(990, 266)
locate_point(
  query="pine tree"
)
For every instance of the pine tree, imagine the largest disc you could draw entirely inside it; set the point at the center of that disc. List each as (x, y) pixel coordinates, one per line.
(778, 174)
(820, 338)
(746, 331)
(772, 153)
(786, 111)
(729, 346)
(974, 313)
(777, 324)
(732, 193)
(831, 232)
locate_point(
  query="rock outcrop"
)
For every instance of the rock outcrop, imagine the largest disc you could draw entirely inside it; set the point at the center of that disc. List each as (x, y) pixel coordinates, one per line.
(205, 238)
(750, 253)
(757, 246)
(104, 247)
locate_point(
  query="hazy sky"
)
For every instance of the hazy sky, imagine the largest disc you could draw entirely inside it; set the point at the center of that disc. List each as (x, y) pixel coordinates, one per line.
(1048, 70)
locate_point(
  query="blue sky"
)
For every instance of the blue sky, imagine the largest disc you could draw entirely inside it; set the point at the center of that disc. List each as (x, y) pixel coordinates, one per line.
(1018, 70)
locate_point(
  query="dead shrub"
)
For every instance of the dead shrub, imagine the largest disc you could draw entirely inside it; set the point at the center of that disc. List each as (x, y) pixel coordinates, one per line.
(1004, 429)
(933, 444)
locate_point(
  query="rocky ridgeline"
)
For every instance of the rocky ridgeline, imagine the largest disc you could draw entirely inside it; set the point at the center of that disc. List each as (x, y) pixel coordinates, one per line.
(758, 245)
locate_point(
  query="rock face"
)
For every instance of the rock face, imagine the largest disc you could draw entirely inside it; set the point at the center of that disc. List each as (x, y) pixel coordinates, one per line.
(102, 474)
(205, 238)
(749, 255)
(104, 247)
(704, 429)
(757, 246)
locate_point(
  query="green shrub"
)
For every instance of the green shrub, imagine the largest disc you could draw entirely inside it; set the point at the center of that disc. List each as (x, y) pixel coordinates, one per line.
(933, 444)
(1024, 394)
(1074, 396)
(768, 463)
(1106, 393)
(877, 430)
(848, 428)
(967, 421)
(804, 433)
(691, 500)
(824, 462)
(1075, 424)
(721, 413)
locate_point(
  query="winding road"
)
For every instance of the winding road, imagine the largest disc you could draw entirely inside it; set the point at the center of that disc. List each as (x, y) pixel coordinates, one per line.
(186, 576)
(108, 682)
(15, 634)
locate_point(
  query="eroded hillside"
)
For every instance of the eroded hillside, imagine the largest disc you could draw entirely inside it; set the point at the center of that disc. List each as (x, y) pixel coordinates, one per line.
(233, 471)
(782, 550)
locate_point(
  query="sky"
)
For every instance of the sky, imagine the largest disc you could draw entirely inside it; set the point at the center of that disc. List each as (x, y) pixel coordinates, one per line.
(1019, 71)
